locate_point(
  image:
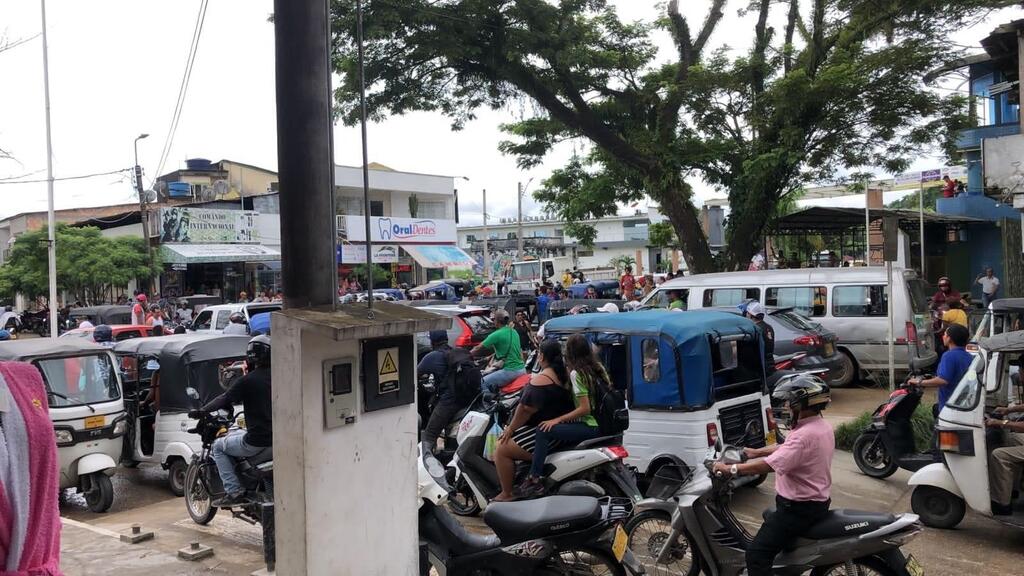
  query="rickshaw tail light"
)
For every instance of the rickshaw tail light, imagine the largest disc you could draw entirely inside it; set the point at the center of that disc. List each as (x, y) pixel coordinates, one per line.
(957, 441)
(619, 452)
(712, 434)
(911, 333)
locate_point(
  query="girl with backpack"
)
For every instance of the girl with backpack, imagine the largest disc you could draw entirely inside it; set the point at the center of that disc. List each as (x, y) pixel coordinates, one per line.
(586, 376)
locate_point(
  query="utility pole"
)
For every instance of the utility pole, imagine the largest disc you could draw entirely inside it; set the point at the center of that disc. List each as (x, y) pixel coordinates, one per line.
(487, 250)
(51, 220)
(143, 214)
(519, 229)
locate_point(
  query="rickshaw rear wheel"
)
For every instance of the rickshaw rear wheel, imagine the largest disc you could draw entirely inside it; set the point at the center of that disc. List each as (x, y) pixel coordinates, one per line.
(100, 495)
(937, 508)
(130, 463)
(197, 498)
(176, 473)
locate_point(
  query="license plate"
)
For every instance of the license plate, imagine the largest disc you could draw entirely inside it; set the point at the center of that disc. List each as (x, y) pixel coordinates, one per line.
(95, 421)
(829, 349)
(914, 567)
(769, 438)
(619, 544)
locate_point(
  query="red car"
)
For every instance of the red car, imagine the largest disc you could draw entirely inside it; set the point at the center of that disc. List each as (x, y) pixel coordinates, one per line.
(121, 332)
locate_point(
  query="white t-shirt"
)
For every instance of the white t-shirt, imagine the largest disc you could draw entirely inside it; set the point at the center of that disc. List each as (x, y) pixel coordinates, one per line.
(989, 285)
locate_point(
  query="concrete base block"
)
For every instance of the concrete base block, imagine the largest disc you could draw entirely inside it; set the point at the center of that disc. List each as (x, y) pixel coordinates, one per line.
(137, 534)
(195, 551)
(263, 572)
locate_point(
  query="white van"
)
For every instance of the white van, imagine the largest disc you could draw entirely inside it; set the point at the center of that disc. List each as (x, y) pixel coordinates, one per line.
(848, 301)
(213, 319)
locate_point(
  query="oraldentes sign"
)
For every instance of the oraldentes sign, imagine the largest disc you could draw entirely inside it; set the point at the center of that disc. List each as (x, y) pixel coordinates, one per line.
(387, 229)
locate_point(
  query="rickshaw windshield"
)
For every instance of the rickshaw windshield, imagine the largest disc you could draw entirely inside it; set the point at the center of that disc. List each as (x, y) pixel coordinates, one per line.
(968, 392)
(79, 380)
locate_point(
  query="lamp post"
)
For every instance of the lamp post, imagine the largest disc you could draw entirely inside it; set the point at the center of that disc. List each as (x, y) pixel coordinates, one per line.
(143, 215)
(51, 250)
(519, 219)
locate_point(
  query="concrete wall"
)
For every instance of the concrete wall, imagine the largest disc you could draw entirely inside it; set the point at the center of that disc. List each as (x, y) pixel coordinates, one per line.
(351, 177)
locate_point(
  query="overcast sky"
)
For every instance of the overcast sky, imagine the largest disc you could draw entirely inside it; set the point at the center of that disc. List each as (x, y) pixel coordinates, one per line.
(115, 69)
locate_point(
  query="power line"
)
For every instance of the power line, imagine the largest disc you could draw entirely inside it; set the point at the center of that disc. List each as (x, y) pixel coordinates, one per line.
(79, 177)
(183, 88)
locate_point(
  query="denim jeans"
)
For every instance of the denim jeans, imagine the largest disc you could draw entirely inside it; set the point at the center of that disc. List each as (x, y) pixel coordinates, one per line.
(987, 299)
(495, 380)
(225, 450)
(569, 433)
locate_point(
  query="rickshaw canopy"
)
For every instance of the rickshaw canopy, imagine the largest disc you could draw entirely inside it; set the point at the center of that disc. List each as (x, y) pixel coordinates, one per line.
(103, 314)
(187, 360)
(604, 288)
(393, 292)
(32, 348)
(1005, 342)
(1007, 305)
(672, 355)
(445, 290)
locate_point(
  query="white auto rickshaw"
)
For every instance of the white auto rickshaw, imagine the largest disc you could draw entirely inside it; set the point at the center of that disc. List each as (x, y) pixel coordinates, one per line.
(84, 393)
(157, 372)
(944, 490)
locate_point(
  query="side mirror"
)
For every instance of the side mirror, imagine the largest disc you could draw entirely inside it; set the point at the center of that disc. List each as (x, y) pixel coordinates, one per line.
(192, 393)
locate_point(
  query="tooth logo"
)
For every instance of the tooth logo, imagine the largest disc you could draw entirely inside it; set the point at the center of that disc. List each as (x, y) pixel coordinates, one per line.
(384, 225)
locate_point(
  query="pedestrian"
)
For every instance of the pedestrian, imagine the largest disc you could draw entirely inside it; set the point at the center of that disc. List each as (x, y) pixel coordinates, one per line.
(243, 297)
(139, 310)
(525, 330)
(543, 301)
(627, 284)
(989, 286)
(953, 365)
(955, 315)
(961, 188)
(446, 403)
(753, 310)
(156, 320)
(566, 278)
(948, 187)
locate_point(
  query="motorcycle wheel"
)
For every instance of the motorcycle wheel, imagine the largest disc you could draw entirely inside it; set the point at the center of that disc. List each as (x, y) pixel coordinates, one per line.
(100, 495)
(462, 501)
(582, 562)
(647, 533)
(860, 567)
(873, 457)
(197, 500)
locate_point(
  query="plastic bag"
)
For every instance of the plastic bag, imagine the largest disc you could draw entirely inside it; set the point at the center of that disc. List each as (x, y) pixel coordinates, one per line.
(491, 441)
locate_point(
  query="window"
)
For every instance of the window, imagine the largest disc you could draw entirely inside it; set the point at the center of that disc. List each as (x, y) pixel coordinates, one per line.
(807, 300)
(203, 321)
(223, 318)
(652, 373)
(918, 296)
(79, 380)
(127, 335)
(349, 205)
(736, 367)
(376, 207)
(470, 237)
(559, 233)
(730, 296)
(859, 301)
(663, 298)
(428, 209)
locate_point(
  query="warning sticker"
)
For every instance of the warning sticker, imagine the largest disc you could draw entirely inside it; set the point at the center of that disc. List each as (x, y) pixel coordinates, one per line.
(387, 370)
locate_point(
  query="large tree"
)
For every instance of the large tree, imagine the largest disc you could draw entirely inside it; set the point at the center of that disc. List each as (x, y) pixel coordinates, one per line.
(826, 85)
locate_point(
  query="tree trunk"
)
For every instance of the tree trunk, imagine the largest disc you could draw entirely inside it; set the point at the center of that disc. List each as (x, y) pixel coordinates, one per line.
(693, 242)
(747, 226)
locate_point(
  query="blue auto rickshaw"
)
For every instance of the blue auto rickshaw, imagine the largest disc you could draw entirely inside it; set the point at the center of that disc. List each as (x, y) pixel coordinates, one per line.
(689, 377)
(436, 291)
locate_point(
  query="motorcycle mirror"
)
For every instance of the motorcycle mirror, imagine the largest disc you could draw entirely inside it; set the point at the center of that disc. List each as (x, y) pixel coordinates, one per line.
(192, 393)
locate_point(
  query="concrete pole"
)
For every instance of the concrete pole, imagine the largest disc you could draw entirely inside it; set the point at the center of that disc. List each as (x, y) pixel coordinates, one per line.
(892, 334)
(867, 226)
(920, 215)
(366, 160)
(487, 250)
(51, 220)
(519, 228)
(305, 153)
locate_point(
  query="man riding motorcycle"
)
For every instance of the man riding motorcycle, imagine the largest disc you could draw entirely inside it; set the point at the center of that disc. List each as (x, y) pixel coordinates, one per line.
(803, 466)
(253, 391)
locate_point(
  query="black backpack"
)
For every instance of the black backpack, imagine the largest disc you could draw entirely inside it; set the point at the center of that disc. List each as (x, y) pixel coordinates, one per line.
(463, 374)
(609, 409)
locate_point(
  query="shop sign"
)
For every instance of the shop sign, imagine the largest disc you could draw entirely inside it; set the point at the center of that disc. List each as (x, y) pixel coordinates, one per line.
(356, 253)
(180, 224)
(399, 230)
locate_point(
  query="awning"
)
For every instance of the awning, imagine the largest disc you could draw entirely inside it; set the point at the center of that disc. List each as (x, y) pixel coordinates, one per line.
(445, 256)
(208, 253)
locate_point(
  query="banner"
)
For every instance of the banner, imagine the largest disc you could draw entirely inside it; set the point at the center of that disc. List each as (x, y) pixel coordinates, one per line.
(356, 254)
(208, 226)
(928, 178)
(401, 230)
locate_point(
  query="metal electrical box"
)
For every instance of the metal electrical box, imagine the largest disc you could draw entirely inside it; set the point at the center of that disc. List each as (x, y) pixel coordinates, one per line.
(340, 392)
(389, 372)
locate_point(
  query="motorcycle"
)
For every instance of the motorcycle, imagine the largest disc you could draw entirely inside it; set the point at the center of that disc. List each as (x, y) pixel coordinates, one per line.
(562, 534)
(598, 462)
(703, 534)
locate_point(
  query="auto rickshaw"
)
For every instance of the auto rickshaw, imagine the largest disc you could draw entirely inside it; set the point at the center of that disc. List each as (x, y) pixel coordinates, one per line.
(86, 406)
(690, 379)
(942, 491)
(1002, 315)
(157, 372)
(435, 291)
(604, 289)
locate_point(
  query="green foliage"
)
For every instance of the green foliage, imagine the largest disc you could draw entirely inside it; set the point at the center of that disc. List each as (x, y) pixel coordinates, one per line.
(911, 202)
(837, 87)
(922, 422)
(414, 205)
(89, 264)
(620, 263)
(381, 276)
(661, 235)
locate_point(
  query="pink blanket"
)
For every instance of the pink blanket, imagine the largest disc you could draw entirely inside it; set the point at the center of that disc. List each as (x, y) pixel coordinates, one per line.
(29, 516)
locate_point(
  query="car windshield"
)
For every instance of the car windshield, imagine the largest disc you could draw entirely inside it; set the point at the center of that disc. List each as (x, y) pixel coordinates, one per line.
(526, 271)
(79, 380)
(796, 321)
(480, 324)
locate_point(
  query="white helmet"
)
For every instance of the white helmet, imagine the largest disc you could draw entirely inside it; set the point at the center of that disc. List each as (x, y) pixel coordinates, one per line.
(431, 483)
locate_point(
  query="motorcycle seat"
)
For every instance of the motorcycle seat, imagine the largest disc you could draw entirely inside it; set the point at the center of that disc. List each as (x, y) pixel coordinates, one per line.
(521, 521)
(614, 440)
(841, 523)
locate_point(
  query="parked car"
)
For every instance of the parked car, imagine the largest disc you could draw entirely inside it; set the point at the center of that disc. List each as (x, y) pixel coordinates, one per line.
(213, 319)
(851, 302)
(120, 331)
(808, 344)
(470, 325)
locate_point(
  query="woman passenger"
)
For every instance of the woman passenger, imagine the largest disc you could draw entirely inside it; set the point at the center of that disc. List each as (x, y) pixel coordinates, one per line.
(546, 397)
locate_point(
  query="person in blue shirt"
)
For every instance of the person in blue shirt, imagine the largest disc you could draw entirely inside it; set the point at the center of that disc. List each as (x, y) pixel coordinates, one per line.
(954, 364)
(543, 300)
(447, 405)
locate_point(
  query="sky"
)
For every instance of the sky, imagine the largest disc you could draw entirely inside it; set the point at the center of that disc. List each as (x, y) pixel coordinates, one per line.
(115, 71)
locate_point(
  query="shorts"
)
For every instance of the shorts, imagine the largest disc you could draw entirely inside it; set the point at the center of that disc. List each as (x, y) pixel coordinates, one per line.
(526, 436)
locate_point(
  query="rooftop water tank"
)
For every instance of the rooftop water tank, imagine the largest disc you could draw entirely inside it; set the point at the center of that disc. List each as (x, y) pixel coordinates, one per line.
(198, 164)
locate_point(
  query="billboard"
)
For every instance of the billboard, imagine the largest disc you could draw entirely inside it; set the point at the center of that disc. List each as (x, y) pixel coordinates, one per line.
(356, 254)
(385, 229)
(181, 224)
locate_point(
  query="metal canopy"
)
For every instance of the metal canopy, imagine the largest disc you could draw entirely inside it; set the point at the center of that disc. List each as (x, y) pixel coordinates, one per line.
(828, 220)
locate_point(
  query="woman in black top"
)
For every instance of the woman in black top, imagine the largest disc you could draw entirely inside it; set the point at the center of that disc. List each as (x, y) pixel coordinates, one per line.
(525, 331)
(545, 397)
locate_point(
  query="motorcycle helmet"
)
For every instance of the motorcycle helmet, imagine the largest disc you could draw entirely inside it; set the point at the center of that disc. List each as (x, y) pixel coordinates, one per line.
(102, 333)
(806, 392)
(257, 352)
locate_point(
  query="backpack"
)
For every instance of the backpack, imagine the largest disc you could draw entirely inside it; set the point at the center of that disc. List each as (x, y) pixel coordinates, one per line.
(463, 375)
(609, 409)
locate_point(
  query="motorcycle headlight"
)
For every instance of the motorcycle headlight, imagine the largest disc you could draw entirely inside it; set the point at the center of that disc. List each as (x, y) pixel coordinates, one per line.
(64, 437)
(120, 427)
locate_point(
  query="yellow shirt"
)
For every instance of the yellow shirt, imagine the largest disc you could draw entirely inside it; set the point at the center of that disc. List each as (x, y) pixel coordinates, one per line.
(955, 316)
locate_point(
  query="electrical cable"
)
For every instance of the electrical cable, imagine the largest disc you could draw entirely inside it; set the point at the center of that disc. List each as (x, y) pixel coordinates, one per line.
(79, 177)
(183, 88)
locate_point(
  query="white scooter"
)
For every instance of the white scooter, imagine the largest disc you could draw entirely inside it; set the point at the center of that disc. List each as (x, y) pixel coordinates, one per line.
(475, 479)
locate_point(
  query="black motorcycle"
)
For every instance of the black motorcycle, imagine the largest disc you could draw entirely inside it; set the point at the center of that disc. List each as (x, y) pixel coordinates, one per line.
(888, 442)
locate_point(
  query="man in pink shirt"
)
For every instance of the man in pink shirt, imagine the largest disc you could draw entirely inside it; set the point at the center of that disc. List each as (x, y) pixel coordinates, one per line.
(803, 468)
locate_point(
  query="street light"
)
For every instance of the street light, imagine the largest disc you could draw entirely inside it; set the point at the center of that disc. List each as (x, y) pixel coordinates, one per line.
(143, 216)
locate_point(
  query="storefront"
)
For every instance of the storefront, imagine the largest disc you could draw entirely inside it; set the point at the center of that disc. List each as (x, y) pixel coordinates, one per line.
(217, 252)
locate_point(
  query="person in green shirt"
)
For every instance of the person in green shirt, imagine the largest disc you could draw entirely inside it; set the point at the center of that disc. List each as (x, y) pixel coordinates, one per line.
(504, 344)
(675, 301)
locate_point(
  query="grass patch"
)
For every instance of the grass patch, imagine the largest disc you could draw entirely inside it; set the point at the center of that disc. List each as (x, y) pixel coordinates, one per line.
(922, 422)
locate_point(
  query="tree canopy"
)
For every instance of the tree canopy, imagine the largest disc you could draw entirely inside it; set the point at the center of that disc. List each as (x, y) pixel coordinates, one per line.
(827, 85)
(89, 264)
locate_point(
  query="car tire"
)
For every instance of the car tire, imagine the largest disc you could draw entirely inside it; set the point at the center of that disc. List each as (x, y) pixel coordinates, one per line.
(872, 459)
(846, 374)
(937, 508)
